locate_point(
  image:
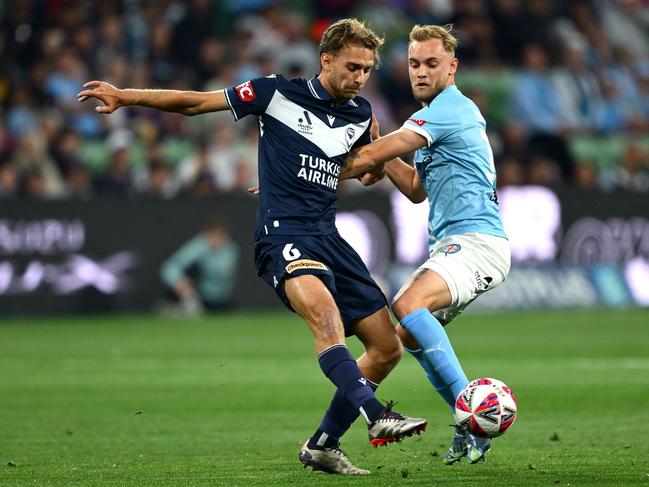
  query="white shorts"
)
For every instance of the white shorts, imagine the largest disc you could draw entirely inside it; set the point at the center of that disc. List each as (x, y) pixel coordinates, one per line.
(471, 264)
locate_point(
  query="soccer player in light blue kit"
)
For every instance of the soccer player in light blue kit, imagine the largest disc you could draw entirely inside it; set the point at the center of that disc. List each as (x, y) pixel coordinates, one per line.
(469, 250)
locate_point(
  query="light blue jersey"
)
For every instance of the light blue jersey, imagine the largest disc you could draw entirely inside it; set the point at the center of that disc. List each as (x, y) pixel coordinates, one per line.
(456, 168)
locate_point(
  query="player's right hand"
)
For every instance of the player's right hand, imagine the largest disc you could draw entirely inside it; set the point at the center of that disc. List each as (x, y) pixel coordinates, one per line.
(108, 94)
(254, 190)
(368, 178)
(374, 128)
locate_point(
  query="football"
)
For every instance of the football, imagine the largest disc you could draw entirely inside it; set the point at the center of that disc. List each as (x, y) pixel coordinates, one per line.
(486, 407)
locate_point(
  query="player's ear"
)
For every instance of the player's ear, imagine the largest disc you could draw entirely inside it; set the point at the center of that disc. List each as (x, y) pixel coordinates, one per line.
(453, 68)
(325, 61)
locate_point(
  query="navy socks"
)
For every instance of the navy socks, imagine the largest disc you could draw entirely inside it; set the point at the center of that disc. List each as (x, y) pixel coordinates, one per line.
(354, 395)
(337, 420)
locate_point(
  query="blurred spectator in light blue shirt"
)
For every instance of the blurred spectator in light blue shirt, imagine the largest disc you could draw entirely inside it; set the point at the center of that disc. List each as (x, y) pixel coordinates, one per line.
(536, 106)
(579, 92)
(22, 116)
(535, 101)
(63, 85)
(201, 273)
(621, 77)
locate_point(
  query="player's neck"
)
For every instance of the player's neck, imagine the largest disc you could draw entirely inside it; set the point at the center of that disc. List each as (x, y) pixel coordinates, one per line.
(324, 81)
(451, 82)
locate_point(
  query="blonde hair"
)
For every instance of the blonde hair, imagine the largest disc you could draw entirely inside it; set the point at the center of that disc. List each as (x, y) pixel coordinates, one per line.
(347, 32)
(421, 33)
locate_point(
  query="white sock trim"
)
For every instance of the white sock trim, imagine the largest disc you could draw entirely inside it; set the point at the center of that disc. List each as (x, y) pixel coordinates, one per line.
(331, 348)
(323, 439)
(364, 414)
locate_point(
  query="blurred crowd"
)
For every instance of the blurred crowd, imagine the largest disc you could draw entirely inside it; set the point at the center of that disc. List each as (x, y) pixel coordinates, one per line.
(564, 86)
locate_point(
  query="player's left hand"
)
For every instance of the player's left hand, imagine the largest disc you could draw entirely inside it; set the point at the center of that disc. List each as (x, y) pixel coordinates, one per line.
(254, 190)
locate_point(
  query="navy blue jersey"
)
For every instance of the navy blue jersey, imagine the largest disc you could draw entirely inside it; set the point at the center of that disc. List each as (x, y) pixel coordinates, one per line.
(304, 139)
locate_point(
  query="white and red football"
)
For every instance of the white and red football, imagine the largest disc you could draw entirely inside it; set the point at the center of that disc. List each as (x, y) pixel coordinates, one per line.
(486, 407)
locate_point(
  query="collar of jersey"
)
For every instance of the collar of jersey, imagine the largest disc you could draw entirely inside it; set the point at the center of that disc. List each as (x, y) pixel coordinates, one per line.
(449, 88)
(319, 92)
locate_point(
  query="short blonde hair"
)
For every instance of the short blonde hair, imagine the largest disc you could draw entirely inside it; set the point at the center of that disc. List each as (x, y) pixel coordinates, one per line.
(347, 32)
(421, 33)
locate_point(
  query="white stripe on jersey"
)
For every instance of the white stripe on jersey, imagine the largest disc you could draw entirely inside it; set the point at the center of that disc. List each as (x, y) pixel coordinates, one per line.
(332, 141)
(313, 91)
(418, 130)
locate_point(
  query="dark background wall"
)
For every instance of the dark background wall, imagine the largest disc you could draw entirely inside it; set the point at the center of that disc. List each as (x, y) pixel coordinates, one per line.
(105, 254)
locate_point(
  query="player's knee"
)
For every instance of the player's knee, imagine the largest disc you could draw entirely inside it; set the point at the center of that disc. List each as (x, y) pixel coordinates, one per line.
(403, 306)
(395, 353)
(406, 338)
(324, 321)
(389, 355)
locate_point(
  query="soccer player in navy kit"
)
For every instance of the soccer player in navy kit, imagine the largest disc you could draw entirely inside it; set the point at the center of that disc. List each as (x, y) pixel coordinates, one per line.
(307, 128)
(469, 250)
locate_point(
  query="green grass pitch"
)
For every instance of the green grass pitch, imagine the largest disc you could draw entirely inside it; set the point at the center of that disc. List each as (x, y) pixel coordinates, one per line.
(227, 400)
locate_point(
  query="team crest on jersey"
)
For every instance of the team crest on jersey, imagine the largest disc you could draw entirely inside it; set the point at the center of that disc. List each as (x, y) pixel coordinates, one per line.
(350, 132)
(245, 92)
(418, 122)
(452, 249)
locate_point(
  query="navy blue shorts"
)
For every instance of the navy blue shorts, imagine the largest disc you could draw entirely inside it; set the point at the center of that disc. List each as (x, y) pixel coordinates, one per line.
(330, 258)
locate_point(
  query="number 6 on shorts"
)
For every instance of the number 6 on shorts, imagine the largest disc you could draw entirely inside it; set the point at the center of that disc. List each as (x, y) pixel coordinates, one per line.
(290, 253)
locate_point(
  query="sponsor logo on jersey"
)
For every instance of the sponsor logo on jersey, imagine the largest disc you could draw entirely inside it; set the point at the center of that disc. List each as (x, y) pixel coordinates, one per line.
(245, 92)
(452, 249)
(306, 117)
(482, 282)
(304, 124)
(318, 170)
(305, 264)
(418, 122)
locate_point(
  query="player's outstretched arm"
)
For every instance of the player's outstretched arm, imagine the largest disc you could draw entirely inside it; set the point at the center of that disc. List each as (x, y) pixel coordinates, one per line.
(371, 157)
(406, 179)
(185, 102)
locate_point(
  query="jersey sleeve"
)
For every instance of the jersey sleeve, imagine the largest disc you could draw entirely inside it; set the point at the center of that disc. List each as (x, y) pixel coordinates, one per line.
(364, 139)
(432, 122)
(251, 97)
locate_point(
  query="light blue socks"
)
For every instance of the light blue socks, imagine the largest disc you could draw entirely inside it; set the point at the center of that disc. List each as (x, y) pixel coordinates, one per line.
(436, 354)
